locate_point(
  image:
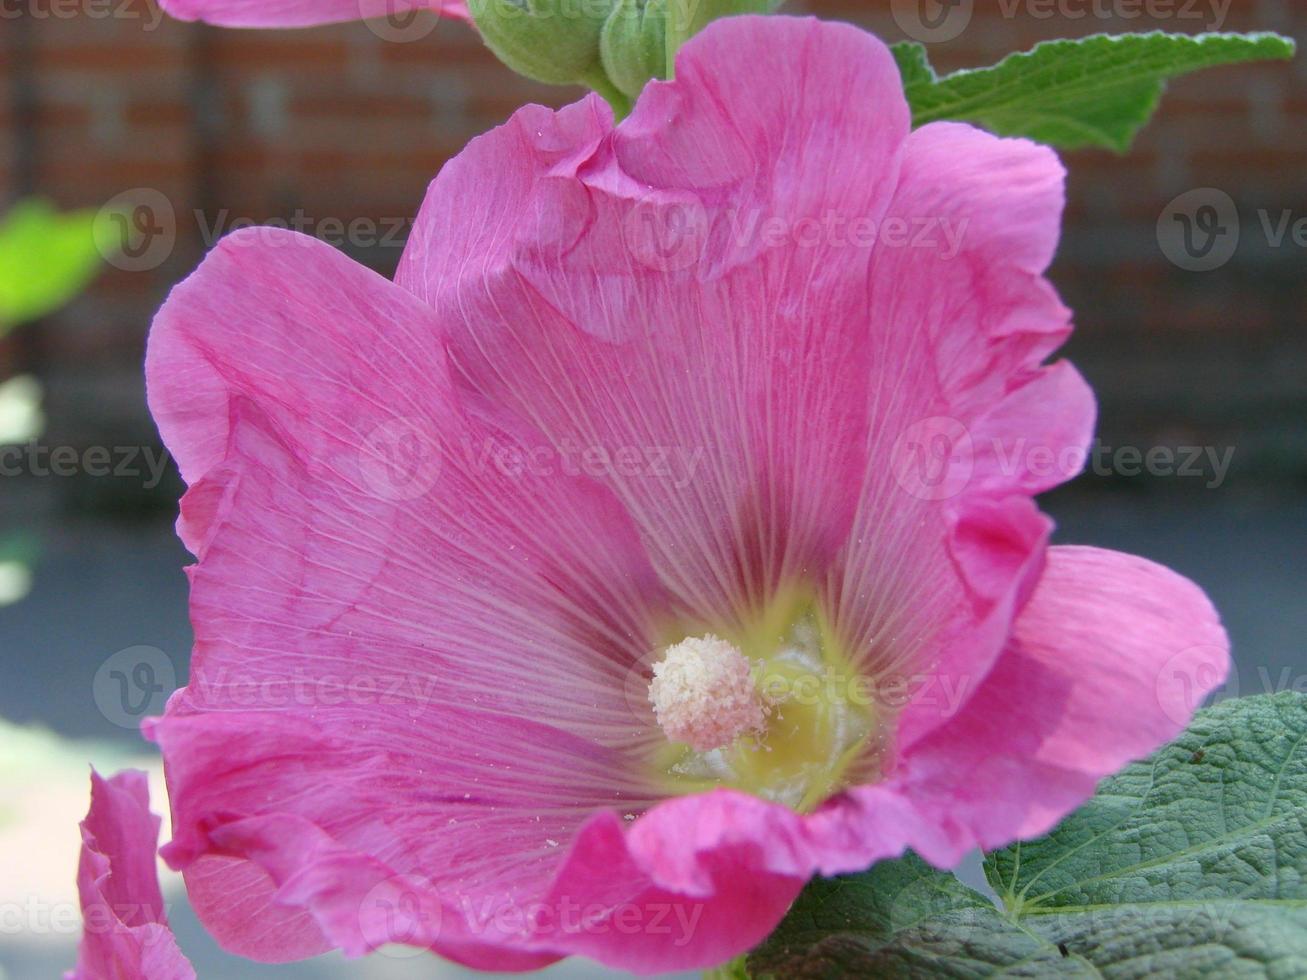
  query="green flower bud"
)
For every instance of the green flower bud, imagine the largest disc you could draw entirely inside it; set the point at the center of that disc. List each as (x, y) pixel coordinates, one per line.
(554, 41)
(640, 39)
(633, 45)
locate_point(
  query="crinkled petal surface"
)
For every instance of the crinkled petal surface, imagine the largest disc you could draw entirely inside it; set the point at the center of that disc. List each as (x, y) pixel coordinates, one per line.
(423, 651)
(1106, 662)
(125, 931)
(304, 13)
(789, 302)
(758, 337)
(638, 295)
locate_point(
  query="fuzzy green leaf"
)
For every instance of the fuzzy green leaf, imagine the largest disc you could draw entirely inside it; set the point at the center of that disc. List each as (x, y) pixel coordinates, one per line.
(1192, 863)
(1093, 91)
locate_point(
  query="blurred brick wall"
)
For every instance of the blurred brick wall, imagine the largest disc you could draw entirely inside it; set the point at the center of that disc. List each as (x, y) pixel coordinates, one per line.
(338, 124)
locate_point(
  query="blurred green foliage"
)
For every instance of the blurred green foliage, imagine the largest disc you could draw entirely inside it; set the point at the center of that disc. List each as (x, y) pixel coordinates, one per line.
(46, 258)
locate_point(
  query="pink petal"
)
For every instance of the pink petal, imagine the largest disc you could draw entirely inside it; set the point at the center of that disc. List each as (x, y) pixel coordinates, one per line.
(367, 596)
(1107, 662)
(944, 547)
(304, 13)
(126, 932)
(618, 290)
(693, 883)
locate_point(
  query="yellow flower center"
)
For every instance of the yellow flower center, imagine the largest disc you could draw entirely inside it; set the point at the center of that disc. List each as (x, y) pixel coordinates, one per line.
(774, 710)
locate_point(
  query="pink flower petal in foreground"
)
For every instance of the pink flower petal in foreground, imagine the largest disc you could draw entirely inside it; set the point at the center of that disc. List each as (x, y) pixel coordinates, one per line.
(755, 377)
(304, 13)
(125, 932)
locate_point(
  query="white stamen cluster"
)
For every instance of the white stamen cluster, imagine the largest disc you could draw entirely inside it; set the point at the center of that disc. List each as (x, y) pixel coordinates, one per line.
(703, 694)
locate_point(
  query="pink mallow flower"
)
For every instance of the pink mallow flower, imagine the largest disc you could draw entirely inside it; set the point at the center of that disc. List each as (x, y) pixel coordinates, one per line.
(304, 13)
(125, 931)
(662, 537)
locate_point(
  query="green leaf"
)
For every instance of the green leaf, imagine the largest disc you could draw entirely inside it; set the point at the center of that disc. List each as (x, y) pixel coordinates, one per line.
(46, 258)
(874, 923)
(1093, 91)
(914, 64)
(1192, 863)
